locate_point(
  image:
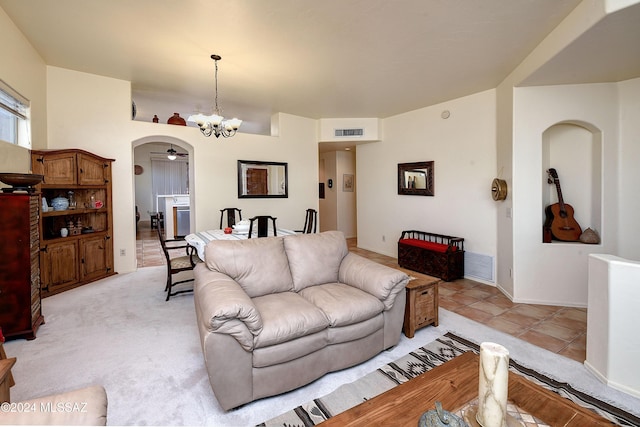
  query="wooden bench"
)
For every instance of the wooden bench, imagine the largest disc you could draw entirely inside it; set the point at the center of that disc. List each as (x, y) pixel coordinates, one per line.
(433, 254)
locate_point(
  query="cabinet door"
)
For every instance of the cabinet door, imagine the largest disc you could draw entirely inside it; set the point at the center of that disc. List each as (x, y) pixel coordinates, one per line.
(15, 295)
(15, 309)
(57, 168)
(59, 265)
(91, 170)
(93, 256)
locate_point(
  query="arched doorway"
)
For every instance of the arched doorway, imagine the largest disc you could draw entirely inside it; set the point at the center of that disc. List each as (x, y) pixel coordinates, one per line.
(161, 193)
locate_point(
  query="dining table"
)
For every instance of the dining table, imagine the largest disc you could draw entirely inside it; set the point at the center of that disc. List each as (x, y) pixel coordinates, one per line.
(200, 239)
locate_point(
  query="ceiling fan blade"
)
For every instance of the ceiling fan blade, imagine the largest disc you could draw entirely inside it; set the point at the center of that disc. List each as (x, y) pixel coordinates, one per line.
(164, 153)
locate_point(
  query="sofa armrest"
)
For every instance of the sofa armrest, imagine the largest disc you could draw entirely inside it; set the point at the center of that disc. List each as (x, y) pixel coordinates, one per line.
(82, 407)
(376, 279)
(225, 307)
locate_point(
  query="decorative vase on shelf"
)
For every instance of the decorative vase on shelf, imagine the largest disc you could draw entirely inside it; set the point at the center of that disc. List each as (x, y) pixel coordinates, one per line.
(176, 120)
(60, 203)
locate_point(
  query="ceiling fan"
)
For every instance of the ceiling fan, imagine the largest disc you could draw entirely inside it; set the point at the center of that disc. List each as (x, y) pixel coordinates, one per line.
(172, 154)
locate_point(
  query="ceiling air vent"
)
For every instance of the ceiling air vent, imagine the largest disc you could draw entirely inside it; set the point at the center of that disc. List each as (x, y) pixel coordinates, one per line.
(349, 132)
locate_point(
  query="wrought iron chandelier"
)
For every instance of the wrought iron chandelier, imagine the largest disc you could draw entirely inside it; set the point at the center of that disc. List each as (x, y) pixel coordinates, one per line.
(215, 124)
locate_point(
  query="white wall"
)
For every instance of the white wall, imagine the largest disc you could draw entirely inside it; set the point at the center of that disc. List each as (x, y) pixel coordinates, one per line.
(328, 207)
(504, 163)
(557, 273)
(629, 156)
(583, 17)
(347, 206)
(613, 343)
(464, 150)
(370, 126)
(24, 70)
(94, 113)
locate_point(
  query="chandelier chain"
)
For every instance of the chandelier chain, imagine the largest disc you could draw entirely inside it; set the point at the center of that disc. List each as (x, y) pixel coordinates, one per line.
(216, 98)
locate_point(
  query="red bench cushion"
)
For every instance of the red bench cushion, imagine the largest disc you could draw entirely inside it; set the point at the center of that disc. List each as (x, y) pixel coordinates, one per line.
(432, 246)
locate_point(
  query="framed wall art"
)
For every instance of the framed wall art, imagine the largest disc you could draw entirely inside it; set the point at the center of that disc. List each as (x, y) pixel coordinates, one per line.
(347, 182)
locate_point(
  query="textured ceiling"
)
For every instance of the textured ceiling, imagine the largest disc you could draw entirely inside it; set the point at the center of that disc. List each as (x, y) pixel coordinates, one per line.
(334, 58)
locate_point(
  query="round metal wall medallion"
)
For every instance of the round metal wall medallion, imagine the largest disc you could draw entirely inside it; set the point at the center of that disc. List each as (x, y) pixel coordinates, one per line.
(499, 189)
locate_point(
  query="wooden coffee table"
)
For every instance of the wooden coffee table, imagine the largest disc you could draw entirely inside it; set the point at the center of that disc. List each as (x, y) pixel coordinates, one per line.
(455, 383)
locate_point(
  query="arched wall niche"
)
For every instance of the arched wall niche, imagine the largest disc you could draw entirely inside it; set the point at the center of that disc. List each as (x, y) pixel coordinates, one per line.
(574, 150)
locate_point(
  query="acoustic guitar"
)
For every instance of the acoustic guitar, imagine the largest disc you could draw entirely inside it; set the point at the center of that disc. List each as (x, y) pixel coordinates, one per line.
(560, 215)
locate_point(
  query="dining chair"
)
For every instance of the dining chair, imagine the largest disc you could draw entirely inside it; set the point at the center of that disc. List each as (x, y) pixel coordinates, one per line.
(263, 225)
(177, 264)
(310, 222)
(231, 216)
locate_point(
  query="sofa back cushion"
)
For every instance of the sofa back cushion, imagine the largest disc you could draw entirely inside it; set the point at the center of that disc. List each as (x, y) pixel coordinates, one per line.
(260, 266)
(314, 259)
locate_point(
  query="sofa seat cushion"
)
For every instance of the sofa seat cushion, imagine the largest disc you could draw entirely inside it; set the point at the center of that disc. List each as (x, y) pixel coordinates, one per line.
(287, 316)
(260, 266)
(290, 350)
(315, 259)
(343, 304)
(342, 334)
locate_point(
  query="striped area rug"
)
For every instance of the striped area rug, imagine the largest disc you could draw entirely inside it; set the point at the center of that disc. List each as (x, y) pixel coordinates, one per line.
(415, 363)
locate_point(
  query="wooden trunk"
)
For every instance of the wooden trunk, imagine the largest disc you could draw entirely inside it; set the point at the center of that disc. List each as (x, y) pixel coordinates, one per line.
(447, 265)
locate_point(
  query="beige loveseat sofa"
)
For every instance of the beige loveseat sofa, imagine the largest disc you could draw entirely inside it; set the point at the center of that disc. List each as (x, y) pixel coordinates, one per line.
(277, 313)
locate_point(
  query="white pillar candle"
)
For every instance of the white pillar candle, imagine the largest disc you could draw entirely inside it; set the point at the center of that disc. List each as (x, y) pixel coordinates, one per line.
(493, 385)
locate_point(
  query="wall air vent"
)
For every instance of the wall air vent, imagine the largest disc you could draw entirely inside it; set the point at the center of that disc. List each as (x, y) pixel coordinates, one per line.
(478, 266)
(349, 132)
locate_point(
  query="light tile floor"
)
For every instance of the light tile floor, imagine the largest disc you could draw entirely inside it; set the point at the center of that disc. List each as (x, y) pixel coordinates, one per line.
(562, 330)
(559, 329)
(148, 250)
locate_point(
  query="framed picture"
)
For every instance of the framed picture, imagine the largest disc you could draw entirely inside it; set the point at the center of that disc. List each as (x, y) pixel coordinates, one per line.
(347, 182)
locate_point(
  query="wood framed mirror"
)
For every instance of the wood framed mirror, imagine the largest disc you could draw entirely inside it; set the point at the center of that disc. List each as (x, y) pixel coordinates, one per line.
(416, 179)
(257, 179)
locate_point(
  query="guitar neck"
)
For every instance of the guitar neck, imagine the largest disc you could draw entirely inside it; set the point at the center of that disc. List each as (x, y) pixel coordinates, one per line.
(560, 199)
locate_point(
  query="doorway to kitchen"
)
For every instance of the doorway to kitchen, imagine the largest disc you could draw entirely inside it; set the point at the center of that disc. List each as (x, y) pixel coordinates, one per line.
(162, 197)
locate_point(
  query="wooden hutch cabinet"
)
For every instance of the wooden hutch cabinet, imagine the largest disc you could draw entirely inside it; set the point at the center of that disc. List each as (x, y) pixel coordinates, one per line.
(20, 310)
(85, 254)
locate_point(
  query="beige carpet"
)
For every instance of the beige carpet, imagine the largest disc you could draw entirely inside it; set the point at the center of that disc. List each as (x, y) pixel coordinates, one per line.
(119, 332)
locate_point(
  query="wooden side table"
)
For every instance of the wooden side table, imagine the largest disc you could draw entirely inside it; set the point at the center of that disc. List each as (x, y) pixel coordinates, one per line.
(6, 379)
(422, 305)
